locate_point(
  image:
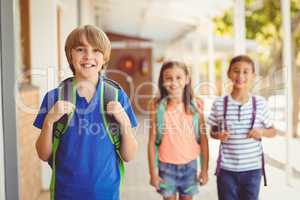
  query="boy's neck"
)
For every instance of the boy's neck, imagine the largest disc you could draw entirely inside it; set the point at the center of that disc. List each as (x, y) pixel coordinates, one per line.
(91, 80)
(240, 95)
(86, 88)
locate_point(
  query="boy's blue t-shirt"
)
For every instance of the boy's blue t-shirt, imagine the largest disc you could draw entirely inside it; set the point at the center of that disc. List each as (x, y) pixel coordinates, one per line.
(87, 166)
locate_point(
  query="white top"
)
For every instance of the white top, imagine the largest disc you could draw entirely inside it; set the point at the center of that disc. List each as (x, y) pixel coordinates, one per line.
(240, 153)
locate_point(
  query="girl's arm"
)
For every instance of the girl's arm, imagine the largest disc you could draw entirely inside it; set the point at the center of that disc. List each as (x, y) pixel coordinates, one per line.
(269, 132)
(204, 145)
(204, 148)
(151, 140)
(264, 132)
(215, 133)
(155, 180)
(129, 144)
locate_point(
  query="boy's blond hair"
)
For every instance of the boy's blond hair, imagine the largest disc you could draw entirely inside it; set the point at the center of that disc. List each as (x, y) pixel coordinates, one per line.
(95, 37)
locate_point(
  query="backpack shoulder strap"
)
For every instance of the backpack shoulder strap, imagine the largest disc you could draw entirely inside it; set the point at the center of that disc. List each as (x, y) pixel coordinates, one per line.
(253, 111)
(110, 92)
(196, 120)
(66, 92)
(160, 113)
(225, 105)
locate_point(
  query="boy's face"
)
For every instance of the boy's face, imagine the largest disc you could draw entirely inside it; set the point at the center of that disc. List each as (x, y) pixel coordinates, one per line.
(242, 75)
(87, 60)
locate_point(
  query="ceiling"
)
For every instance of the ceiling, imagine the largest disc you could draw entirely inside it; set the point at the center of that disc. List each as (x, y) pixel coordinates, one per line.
(157, 20)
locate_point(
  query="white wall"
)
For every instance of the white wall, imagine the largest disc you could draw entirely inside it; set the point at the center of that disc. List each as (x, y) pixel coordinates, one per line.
(87, 12)
(43, 27)
(69, 21)
(2, 172)
(43, 43)
(158, 51)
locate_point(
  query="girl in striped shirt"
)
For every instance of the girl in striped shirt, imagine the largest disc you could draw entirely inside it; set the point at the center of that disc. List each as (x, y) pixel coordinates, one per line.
(240, 120)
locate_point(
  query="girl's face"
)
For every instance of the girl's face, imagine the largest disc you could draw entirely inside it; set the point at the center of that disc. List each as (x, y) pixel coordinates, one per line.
(174, 81)
(242, 75)
(87, 60)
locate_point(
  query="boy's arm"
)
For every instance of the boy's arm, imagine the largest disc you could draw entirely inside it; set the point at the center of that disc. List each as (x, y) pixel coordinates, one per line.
(44, 142)
(128, 142)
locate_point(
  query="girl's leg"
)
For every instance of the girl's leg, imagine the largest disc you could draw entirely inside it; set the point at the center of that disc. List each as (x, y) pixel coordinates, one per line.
(250, 184)
(170, 198)
(188, 182)
(228, 188)
(185, 197)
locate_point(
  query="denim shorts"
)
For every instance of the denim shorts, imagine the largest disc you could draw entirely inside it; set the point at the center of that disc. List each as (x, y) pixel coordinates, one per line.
(180, 179)
(239, 185)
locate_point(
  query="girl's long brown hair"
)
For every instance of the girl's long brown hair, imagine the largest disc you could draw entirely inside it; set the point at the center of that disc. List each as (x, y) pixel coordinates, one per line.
(187, 91)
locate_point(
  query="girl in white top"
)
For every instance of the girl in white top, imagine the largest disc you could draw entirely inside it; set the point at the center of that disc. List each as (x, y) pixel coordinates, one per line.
(239, 121)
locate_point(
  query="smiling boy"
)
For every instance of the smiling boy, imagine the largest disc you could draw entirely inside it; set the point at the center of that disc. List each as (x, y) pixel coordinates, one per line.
(87, 163)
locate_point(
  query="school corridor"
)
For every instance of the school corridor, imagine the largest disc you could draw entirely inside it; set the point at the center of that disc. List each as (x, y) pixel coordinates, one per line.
(144, 34)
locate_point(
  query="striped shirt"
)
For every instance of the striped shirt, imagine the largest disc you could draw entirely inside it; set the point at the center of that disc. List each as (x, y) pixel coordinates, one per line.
(240, 153)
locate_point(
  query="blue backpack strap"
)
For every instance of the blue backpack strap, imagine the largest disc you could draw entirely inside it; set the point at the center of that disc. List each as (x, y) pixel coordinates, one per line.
(66, 92)
(110, 92)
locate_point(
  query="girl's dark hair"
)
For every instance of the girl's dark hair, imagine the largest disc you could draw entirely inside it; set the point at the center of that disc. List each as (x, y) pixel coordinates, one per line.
(187, 91)
(241, 58)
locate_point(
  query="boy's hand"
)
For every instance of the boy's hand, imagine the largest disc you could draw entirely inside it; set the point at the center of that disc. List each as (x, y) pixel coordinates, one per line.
(115, 108)
(256, 134)
(58, 110)
(203, 177)
(155, 181)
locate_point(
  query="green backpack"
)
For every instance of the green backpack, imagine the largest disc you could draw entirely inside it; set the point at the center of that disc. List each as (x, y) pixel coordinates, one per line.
(67, 92)
(160, 112)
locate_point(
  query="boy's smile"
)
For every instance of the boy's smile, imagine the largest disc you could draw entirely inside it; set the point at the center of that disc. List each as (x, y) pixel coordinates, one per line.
(87, 60)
